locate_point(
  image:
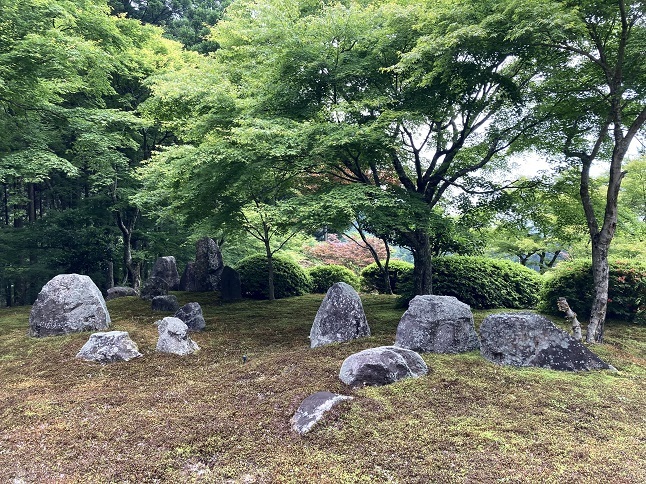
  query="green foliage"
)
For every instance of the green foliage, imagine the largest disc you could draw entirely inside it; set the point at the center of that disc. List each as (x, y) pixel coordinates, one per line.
(323, 277)
(485, 283)
(289, 278)
(400, 274)
(573, 281)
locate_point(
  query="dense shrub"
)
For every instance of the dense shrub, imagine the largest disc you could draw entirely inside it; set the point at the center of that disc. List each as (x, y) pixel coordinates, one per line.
(289, 278)
(399, 272)
(322, 277)
(485, 283)
(573, 281)
(480, 282)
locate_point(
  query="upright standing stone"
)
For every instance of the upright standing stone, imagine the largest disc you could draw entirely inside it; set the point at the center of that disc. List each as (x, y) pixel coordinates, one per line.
(191, 314)
(437, 324)
(188, 281)
(69, 303)
(208, 265)
(518, 339)
(165, 269)
(340, 317)
(173, 337)
(230, 287)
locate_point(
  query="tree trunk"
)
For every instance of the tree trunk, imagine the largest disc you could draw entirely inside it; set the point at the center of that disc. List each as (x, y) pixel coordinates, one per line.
(110, 274)
(423, 265)
(270, 271)
(31, 202)
(133, 268)
(600, 276)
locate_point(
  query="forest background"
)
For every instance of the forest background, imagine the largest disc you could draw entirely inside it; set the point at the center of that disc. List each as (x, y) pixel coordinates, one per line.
(131, 129)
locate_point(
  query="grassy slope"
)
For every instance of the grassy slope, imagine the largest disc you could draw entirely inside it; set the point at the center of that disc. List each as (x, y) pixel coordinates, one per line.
(209, 418)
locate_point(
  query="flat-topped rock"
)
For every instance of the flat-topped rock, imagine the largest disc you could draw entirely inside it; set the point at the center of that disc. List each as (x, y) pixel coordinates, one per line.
(109, 347)
(518, 339)
(437, 324)
(313, 409)
(339, 318)
(69, 303)
(191, 314)
(173, 337)
(120, 291)
(381, 366)
(166, 303)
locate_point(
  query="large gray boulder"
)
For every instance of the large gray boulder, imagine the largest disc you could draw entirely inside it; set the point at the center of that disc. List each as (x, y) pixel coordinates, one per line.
(339, 318)
(208, 265)
(173, 337)
(165, 269)
(192, 316)
(109, 347)
(437, 324)
(69, 303)
(517, 339)
(313, 408)
(167, 303)
(381, 366)
(120, 291)
(153, 287)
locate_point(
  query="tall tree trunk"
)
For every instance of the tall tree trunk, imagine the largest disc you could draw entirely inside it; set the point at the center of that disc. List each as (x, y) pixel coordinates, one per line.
(31, 202)
(423, 264)
(270, 265)
(5, 203)
(133, 268)
(600, 276)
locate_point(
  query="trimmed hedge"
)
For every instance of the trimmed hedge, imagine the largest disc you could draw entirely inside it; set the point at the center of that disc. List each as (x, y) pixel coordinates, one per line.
(322, 277)
(573, 281)
(399, 272)
(480, 282)
(485, 283)
(289, 278)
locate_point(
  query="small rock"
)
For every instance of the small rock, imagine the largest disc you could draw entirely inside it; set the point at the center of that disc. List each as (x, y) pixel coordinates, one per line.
(437, 324)
(109, 347)
(191, 314)
(518, 339)
(339, 318)
(173, 337)
(381, 366)
(313, 408)
(165, 303)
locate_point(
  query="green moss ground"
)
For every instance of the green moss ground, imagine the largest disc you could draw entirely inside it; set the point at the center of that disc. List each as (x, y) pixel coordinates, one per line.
(209, 418)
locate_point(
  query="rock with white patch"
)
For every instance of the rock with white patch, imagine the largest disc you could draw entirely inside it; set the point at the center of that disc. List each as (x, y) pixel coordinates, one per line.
(313, 409)
(381, 366)
(109, 347)
(437, 324)
(339, 318)
(192, 316)
(173, 337)
(69, 303)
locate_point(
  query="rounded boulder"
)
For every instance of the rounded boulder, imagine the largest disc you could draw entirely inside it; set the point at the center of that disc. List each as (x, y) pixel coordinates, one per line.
(69, 303)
